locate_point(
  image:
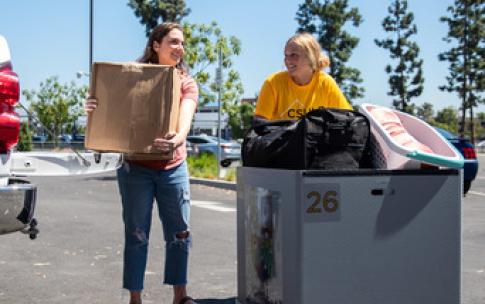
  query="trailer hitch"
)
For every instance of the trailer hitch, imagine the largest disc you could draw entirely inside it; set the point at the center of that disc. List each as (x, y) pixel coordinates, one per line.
(32, 230)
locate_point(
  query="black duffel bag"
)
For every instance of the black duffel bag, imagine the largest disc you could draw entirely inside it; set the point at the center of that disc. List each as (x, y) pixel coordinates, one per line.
(333, 139)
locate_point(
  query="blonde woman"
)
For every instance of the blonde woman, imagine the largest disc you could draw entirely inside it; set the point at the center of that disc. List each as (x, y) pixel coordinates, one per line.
(304, 86)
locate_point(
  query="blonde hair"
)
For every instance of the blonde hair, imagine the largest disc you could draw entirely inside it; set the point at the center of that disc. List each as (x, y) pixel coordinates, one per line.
(313, 51)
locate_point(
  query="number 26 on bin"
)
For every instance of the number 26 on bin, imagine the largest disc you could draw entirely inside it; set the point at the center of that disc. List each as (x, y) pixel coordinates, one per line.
(329, 202)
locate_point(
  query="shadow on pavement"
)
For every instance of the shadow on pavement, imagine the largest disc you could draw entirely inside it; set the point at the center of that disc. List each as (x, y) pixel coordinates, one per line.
(216, 301)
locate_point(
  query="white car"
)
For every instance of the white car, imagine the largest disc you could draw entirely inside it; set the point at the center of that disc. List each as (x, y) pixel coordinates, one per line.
(18, 196)
(480, 146)
(230, 151)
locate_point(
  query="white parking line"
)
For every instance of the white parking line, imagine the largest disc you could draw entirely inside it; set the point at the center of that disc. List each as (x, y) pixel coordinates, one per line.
(476, 193)
(212, 206)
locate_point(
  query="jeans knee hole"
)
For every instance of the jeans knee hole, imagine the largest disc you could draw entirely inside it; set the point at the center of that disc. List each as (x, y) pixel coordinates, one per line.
(181, 240)
(140, 235)
(182, 235)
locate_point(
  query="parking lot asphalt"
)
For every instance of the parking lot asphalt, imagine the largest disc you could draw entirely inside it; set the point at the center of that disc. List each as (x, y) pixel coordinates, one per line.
(77, 257)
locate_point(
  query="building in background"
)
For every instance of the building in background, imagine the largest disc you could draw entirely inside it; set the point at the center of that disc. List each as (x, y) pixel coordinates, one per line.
(206, 121)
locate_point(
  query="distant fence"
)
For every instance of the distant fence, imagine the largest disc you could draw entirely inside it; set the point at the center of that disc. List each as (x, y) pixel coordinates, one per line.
(79, 145)
(50, 145)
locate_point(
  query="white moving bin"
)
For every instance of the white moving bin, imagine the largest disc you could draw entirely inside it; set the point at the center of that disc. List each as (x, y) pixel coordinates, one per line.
(353, 237)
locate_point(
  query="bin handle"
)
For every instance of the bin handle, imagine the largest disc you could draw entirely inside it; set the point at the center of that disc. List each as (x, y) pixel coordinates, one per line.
(436, 160)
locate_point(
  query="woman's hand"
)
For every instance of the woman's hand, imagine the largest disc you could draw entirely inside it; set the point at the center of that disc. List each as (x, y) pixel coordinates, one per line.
(169, 143)
(90, 105)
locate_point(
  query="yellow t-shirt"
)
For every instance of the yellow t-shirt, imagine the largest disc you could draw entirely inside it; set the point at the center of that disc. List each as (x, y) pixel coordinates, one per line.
(282, 98)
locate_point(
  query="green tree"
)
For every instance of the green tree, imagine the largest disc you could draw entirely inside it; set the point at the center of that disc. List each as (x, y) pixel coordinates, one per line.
(466, 32)
(209, 56)
(203, 46)
(154, 12)
(478, 127)
(411, 109)
(57, 106)
(25, 138)
(425, 112)
(406, 77)
(327, 20)
(447, 118)
(481, 116)
(240, 119)
(481, 121)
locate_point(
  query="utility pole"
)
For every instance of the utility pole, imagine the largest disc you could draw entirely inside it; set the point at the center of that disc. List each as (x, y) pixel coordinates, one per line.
(219, 96)
(90, 37)
(97, 155)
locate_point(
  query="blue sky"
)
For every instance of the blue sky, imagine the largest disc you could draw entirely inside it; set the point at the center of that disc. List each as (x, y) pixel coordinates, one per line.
(50, 37)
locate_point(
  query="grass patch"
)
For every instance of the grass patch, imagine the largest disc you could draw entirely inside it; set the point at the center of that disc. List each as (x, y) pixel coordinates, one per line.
(230, 175)
(204, 165)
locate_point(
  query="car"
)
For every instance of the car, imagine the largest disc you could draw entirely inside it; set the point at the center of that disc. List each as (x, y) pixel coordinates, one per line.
(230, 151)
(78, 138)
(17, 197)
(192, 150)
(41, 139)
(64, 138)
(481, 146)
(39, 142)
(467, 149)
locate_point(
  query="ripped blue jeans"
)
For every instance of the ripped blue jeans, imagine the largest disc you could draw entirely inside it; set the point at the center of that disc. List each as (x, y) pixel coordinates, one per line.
(139, 186)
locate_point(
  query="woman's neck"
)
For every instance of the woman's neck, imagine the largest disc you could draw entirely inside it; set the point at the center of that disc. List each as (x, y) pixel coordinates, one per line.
(302, 79)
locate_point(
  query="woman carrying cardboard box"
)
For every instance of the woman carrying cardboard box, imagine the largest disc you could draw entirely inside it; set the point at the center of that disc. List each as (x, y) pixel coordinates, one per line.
(140, 182)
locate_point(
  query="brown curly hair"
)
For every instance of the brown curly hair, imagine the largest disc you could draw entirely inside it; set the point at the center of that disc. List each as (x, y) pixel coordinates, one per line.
(157, 34)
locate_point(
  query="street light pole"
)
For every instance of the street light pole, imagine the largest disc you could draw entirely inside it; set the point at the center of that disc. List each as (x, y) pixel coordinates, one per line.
(90, 36)
(97, 155)
(219, 87)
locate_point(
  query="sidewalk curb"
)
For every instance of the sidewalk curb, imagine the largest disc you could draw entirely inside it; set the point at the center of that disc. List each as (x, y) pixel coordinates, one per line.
(213, 183)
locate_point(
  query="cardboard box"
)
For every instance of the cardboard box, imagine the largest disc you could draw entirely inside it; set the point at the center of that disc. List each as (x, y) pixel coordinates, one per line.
(136, 104)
